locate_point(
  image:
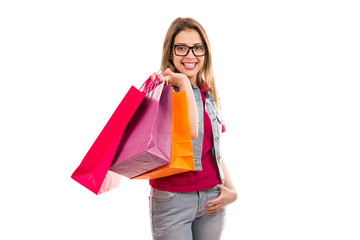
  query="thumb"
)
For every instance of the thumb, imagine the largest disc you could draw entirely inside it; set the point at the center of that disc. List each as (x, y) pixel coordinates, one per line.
(153, 76)
(168, 72)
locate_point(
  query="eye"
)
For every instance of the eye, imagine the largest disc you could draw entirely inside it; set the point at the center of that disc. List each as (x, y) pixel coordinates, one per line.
(181, 48)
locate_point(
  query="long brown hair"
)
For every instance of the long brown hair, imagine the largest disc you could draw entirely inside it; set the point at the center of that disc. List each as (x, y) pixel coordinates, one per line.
(205, 77)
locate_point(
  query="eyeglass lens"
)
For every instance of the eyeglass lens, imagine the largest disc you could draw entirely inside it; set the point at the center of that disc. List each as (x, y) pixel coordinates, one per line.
(182, 50)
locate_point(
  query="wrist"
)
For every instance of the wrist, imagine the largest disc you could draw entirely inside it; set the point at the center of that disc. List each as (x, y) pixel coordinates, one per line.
(184, 82)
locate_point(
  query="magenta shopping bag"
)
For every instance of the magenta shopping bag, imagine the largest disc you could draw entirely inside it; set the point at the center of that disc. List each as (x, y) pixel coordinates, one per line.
(146, 142)
(93, 172)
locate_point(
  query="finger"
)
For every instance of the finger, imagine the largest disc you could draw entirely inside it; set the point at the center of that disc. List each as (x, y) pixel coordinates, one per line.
(164, 78)
(167, 72)
(213, 210)
(153, 76)
(215, 201)
(161, 77)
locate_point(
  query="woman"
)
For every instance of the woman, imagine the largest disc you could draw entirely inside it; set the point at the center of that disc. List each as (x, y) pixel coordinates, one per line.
(191, 205)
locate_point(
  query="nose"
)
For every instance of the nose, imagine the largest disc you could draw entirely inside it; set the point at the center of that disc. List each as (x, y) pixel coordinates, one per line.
(190, 54)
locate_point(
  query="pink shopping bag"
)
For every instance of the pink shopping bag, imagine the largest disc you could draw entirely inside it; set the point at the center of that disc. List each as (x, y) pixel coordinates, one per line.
(92, 172)
(181, 147)
(146, 143)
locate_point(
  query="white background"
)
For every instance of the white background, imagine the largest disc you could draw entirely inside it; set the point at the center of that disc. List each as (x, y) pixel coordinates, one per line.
(288, 78)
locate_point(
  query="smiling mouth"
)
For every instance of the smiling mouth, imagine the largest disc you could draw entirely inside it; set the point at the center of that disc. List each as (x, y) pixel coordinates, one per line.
(189, 66)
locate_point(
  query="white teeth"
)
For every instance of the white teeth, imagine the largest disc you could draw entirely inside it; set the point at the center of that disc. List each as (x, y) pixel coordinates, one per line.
(189, 64)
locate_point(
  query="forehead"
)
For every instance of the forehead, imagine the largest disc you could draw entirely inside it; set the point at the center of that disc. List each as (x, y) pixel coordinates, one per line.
(188, 37)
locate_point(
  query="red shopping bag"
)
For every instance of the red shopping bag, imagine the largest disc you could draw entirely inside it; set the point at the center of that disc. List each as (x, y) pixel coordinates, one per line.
(146, 142)
(92, 172)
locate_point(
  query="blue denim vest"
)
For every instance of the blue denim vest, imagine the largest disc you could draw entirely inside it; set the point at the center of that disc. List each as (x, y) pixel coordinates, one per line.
(216, 126)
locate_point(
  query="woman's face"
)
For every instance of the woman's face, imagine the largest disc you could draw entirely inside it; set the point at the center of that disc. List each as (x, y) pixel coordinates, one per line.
(190, 64)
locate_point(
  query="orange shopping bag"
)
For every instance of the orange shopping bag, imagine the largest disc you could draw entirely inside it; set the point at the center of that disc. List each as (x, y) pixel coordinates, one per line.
(181, 147)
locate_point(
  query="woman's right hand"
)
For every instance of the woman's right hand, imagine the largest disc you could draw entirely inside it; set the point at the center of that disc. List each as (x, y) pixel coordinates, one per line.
(175, 79)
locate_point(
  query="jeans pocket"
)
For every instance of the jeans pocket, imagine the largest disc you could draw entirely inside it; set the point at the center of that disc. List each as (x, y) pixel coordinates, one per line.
(213, 193)
(162, 196)
(218, 188)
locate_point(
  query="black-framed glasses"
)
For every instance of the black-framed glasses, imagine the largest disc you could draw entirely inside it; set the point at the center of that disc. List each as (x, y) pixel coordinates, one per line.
(183, 50)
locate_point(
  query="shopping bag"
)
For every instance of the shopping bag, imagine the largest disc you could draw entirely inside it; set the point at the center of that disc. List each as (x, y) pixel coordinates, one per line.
(146, 143)
(111, 181)
(92, 172)
(181, 147)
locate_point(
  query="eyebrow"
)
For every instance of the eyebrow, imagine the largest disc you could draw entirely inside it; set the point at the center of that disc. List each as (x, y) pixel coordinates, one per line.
(180, 43)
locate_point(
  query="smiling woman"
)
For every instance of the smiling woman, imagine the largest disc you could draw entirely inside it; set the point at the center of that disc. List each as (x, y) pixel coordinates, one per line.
(191, 205)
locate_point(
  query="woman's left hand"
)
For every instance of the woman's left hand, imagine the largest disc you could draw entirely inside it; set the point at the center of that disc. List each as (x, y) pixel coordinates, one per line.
(225, 198)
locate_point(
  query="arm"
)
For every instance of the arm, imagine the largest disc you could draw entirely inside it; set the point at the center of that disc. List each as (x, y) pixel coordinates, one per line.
(228, 183)
(192, 110)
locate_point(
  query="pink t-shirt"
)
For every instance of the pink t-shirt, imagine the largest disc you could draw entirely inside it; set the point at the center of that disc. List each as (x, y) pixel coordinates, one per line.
(194, 180)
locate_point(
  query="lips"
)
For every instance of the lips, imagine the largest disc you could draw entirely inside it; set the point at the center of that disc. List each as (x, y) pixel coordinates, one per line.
(189, 66)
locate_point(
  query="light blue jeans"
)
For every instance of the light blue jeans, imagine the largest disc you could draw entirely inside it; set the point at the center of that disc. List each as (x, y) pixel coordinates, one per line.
(181, 216)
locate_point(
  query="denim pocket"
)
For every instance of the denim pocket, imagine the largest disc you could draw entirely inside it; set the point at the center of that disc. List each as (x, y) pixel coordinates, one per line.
(218, 188)
(162, 196)
(213, 193)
